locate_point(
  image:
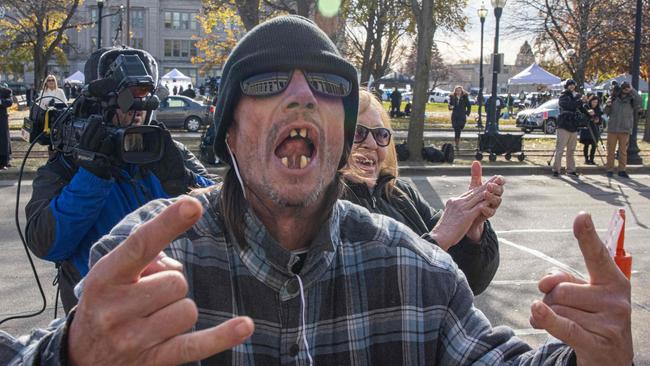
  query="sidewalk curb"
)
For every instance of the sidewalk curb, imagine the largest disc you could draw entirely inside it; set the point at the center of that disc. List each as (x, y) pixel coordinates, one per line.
(417, 170)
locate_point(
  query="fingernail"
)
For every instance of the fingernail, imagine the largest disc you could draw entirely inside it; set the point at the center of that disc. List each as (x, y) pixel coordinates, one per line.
(187, 210)
(243, 329)
(589, 224)
(539, 309)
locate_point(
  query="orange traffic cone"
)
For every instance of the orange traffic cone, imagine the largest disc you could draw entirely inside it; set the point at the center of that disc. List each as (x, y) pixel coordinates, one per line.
(622, 259)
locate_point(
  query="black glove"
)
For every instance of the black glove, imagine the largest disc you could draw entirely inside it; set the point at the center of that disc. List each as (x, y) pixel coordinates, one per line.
(175, 178)
(94, 150)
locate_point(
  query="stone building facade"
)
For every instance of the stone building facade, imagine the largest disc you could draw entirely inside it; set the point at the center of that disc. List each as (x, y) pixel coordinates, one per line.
(467, 75)
(165, 28)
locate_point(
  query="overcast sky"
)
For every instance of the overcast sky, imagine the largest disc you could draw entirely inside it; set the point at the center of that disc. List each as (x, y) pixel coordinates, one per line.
(456, 47)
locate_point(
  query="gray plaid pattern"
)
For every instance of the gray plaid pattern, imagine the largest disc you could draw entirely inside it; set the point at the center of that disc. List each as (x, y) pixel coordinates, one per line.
(375, 294)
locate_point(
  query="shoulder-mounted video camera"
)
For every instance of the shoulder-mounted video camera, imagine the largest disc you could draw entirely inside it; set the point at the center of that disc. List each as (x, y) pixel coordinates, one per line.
(118, 78)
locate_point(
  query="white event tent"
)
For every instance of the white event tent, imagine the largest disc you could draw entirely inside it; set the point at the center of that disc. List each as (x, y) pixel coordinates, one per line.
(534, 75)
(76, 78)
(175, 78)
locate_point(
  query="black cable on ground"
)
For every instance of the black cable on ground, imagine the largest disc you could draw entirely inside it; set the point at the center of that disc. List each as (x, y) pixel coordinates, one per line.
(22, 238)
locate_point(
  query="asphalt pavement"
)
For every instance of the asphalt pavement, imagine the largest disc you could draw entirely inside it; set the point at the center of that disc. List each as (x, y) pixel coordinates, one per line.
(534, 225)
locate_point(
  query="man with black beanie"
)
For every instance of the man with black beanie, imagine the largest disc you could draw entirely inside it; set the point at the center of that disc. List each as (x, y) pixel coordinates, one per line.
(308, 278)
(571, 103)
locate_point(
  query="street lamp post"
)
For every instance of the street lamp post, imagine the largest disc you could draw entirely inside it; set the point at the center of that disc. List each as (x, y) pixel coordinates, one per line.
(498, 6)
(633, 148)
(100, 7)
(482, 13)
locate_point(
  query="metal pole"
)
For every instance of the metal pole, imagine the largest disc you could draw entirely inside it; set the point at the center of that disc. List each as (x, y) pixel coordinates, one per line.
(128, 22)
(633, 148)
(481, 80)
(100, 7)
(492, 126)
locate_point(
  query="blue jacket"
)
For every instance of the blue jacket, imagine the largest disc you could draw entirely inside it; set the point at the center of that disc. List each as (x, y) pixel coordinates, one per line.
(71, 209)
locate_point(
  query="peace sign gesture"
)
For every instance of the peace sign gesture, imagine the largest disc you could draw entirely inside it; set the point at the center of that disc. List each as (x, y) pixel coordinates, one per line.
(134, 311)
(594, 317)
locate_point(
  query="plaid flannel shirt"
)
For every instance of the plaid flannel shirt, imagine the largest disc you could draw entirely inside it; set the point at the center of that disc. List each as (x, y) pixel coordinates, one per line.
(374, 294)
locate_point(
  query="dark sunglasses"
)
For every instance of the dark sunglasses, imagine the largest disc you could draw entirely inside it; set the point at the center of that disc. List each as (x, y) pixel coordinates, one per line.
(380, 134)
(272, 83)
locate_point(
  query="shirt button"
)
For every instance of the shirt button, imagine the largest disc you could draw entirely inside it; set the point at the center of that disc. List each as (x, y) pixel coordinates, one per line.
(293, 350)
(292, 286)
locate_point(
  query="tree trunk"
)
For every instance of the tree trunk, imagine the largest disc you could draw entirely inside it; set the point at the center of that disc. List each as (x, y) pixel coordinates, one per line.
(249, 14)
(426, 30)
(304, 7)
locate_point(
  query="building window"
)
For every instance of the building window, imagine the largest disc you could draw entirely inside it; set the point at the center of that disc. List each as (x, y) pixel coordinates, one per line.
(193, 50)
(93, 16)
(137, 19)
(180, 21)
(168, 20)
(183, 48)
(168, 48)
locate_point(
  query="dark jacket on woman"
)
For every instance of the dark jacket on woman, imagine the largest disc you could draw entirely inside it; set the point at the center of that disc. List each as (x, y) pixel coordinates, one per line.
(5, 138)
(570, 107)
(461, 108)
(479, 262)
(592, 131)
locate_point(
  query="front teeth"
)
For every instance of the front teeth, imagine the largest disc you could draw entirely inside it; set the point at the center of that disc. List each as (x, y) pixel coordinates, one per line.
(295, 132)
(303, 161)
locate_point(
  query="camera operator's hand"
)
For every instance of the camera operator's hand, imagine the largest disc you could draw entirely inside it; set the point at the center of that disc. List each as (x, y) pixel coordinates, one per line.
(170, 170)
(94, 149)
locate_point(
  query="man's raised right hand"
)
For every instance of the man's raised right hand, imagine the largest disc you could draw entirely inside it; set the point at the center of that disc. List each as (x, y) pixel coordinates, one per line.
(134, 309)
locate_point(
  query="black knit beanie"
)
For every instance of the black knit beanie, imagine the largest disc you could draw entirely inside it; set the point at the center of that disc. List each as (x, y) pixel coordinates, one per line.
(282, 44)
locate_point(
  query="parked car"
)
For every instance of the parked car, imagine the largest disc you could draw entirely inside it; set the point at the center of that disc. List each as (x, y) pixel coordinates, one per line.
(178, 111)
(439, 96)
(16, 88)
(542, 118)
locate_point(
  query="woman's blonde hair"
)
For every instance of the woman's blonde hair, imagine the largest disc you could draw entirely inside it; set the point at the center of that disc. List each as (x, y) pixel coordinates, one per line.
(389, 165)
(56, 85)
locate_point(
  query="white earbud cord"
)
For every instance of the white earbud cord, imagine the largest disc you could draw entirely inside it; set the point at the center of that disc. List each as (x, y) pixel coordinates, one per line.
(234, 165)
(302, 315)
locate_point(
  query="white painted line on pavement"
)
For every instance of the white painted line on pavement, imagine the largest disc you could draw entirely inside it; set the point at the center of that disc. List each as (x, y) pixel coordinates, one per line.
(514, 282)
(544, 257)
(9, 183)
(532, 231)
(529, 331)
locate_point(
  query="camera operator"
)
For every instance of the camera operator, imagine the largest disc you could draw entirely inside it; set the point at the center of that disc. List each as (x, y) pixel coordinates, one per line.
(5, 139)
(571, 106)
(76, 200)
(623, 108)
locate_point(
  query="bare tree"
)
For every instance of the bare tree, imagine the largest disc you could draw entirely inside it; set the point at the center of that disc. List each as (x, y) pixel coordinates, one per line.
(591, 28)
(439, 70)
(429, 15)
(426, 28)
(37, 28)
(373, 30)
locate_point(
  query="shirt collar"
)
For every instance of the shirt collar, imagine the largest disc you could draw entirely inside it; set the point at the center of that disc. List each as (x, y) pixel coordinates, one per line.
(271, 264)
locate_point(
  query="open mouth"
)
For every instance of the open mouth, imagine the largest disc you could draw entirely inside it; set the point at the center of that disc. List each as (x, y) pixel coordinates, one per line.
(365, 162)
(296, 150)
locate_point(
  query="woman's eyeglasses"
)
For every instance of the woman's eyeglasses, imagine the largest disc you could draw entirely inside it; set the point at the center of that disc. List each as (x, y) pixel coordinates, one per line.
(380, 134)
(272, 83)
